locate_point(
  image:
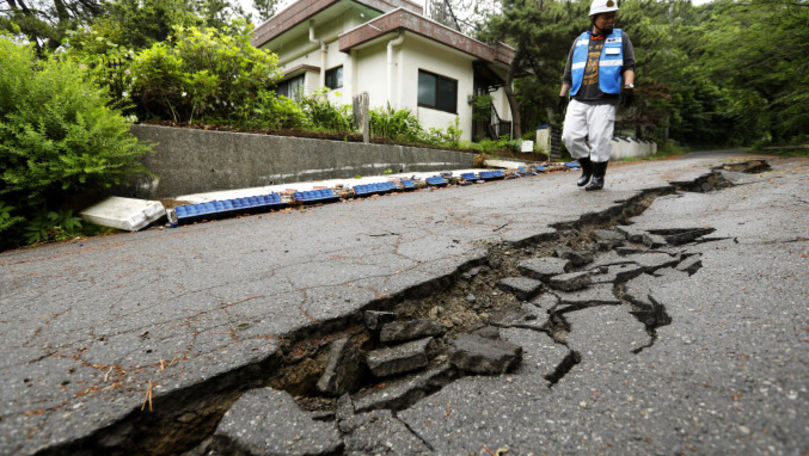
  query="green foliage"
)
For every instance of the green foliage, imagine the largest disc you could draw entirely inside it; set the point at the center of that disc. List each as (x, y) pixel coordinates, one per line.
(201, 74)
(395, 125)
(57, 137)
(52, 226)
(323, 115)
(265, 9)
(493, 146)
(451, 137)
(266, 110)
(45, 23)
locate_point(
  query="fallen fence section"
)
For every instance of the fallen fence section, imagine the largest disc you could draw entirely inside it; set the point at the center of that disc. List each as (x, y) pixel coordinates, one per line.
(213, 210)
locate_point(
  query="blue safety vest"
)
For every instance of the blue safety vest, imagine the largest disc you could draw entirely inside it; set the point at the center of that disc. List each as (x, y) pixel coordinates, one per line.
(609, 65)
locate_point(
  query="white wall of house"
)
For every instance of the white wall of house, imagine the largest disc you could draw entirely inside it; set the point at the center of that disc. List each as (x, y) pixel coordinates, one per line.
(420, 54)
(366, 70)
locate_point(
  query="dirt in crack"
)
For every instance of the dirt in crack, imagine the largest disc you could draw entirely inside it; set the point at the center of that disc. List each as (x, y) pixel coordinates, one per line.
(403, 348)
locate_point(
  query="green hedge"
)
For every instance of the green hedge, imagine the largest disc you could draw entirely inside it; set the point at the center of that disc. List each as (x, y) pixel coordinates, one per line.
(58, 138)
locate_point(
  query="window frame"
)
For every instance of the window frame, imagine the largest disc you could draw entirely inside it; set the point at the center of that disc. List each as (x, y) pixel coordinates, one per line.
(331, 72)
(287, 82)
(438, 79)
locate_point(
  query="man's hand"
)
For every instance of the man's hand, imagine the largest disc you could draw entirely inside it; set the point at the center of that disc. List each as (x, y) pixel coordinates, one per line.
(627, 97)
(561, 105)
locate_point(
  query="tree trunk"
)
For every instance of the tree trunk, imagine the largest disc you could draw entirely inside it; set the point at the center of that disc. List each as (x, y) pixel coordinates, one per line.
(512, 99)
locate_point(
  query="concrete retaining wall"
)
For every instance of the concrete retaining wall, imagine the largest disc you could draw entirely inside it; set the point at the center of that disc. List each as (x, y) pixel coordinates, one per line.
(193, 161)
(631, 147)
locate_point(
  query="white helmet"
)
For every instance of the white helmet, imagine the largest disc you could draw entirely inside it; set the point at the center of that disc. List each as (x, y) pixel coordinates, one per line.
(603, 6)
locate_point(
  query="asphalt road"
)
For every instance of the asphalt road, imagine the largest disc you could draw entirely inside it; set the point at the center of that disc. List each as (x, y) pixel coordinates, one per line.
(98, 331)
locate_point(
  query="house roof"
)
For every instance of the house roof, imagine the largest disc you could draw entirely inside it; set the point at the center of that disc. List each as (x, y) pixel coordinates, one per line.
(404, 20)
(304, 10)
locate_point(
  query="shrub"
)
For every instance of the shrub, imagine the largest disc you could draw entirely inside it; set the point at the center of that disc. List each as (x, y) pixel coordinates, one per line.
(451, 137)
(202, 73)
(401, 125)
(58, 138)
(266, 110)
(324, 115)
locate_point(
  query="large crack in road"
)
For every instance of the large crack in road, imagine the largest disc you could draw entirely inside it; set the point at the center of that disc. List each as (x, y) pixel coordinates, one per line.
(344, 374)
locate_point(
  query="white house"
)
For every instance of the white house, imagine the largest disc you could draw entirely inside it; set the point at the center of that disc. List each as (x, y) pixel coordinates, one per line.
(390, 50)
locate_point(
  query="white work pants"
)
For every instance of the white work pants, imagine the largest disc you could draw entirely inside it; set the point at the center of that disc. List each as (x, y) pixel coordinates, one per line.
(589, 121)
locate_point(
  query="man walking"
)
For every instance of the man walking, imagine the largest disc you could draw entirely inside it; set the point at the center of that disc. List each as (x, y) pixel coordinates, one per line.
(600, 71)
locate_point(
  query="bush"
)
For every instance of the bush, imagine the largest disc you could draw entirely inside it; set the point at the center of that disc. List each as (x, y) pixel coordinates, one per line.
(58, 138)
(325, 116)
(266, 110)
(401, 125)
(202, 74)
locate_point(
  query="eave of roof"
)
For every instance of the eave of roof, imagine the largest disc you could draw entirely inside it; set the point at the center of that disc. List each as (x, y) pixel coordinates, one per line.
(404, 20)
(303, 10)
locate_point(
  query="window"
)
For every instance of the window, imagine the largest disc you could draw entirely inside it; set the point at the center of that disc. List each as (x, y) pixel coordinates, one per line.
(334, 78)
(291, 88)
(438, 92)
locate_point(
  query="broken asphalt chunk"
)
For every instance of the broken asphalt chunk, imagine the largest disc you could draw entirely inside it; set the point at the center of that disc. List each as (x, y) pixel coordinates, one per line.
(522, 288)
(577, 258)
(266, 421)
(380, 433)
(374, 319)
(607, 239)
(401, 358)
(653, 261)
(637, 236)
(616, 273)
(543, 268)
(405, 392)
(690, 265)
(402, 331)
(571, 281)
(342, 373)
(591, 296)
(479, 355)
(682, 236)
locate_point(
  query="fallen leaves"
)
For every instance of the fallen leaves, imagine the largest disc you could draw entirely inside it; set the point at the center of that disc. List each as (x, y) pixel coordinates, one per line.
(148, 399)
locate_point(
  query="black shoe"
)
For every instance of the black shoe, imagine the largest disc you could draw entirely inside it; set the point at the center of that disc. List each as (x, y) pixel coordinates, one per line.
(586, 171)
(599, 171)
(596, 184)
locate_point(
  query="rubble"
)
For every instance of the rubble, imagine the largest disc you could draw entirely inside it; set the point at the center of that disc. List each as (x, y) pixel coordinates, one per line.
(374, 319)
(576, 257)
(570, 281)
(522, 288)
(402, 331)
(265, 421)
(543, 268)
(401, 358)
(479, 355)
(342, 373)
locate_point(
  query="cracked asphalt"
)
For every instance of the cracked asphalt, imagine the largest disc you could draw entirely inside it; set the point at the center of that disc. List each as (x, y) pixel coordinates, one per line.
(118, 329)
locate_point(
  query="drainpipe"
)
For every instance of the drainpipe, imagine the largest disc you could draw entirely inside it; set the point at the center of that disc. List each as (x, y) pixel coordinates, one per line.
(323, 51)
(394, 42)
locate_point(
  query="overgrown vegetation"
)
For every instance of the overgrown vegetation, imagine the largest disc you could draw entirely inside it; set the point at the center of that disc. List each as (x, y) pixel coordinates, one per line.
(58, 139)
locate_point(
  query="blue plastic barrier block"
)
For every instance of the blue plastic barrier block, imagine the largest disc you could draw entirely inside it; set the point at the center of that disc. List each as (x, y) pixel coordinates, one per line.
(491, 175)
(225, 208)
(371, 189)
(526, 171)
(315, 196)
(408, 184)
(436, 181)
(540, 168)
(572, 165)
(469, 177)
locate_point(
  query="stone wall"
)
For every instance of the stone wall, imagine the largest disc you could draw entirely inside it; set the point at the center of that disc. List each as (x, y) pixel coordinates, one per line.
(193, 161)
